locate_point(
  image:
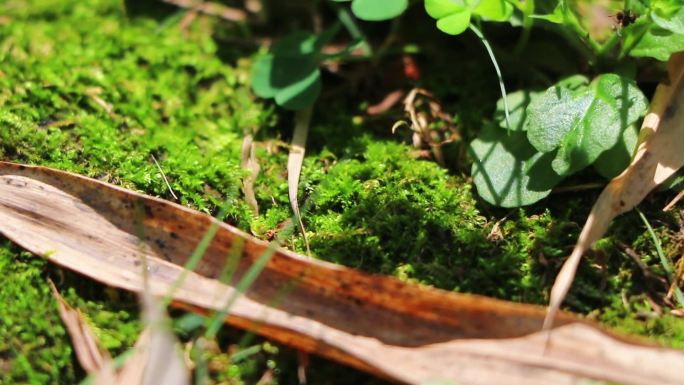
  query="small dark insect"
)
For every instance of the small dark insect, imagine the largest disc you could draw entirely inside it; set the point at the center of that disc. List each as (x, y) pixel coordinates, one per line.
(625, 18)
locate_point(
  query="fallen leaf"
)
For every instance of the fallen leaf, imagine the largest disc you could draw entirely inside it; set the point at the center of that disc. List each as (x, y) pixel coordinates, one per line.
(89, 353)
(157, 358)
(295, 160)
(211, 8)
(660, 154)
(249, 163)
(400, 331)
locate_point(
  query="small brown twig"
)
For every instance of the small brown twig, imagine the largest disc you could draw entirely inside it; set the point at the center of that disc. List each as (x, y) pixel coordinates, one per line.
(674, 201)
(211, 9)
(423, 135)
(578, 187)
(642, 266)
(389, 101)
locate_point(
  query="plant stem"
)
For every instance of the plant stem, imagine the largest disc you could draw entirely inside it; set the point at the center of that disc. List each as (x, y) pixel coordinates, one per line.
(387, 43)
(348, 21)
(479, 34)
(528, 10)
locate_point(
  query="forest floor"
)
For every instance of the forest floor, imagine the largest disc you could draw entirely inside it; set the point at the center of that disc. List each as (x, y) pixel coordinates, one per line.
(91, 88)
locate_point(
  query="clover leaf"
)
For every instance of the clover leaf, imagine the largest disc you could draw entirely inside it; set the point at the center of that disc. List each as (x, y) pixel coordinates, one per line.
(494, 10)
(453, 16)
(507, 171)
(517, 103)
(377, 10)
(290, 72)
(583, 121)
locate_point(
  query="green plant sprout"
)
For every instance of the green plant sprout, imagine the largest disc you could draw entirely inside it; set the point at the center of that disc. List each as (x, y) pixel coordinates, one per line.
(574, 123)
(558, 132)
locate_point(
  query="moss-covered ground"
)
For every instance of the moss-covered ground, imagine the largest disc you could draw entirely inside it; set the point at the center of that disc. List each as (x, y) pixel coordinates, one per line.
(88, 88)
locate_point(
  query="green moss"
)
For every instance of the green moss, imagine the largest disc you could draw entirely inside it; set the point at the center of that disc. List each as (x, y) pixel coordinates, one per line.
(639, 318)
(87, 90)
(98, 94)
(35, 347)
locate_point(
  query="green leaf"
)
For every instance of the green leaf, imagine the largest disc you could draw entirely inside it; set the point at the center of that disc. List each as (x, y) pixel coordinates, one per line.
(261, 77)
(290, 72)
(453, 17)
(294, 81)
(302, 93)
(378, 10)
(658, 43)
(297, 43)
(583, 122)
(517, 102)
(559, 15)
(613, 161)
(508, 171)
(562, 14)
(438, 9)
(668, 15)
(494, 10)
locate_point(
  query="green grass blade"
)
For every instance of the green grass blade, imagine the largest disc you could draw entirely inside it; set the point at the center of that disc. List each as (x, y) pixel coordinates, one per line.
(661, 255)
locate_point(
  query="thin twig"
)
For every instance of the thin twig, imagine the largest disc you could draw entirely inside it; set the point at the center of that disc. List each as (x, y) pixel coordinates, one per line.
(212, 9)
(674, 201)
(578, 187)
(164, 177)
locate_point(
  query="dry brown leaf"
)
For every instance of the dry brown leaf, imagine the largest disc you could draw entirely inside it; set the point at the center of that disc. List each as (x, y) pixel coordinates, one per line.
(211, 8)
(659, 155)
(400, 331)
(89, 353)
(156, 358)
(294, 166)
(423, 108)
(249, 163)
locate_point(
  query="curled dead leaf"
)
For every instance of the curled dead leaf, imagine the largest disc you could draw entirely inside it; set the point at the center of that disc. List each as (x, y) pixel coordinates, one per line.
(401, 331)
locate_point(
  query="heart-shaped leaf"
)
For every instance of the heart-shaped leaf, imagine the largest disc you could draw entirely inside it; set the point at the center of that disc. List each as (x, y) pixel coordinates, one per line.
(508, 171)
(583, 122)
(453, 17)
(517, 103)
(294, 82)
(290, 72)
(494, 10)
(378, 10)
